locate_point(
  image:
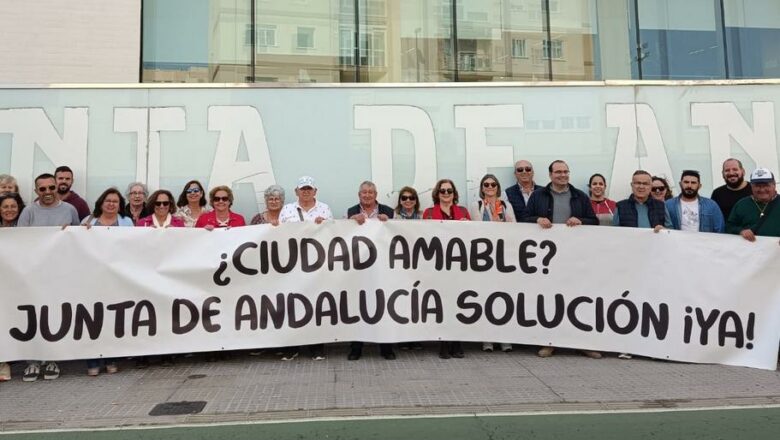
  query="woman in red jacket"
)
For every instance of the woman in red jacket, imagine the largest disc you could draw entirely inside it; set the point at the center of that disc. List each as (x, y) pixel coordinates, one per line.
(445, 207)
(221, 199)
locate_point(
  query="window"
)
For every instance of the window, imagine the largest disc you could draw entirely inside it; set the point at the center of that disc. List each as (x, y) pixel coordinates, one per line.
(346, 47)
(305, 38)
(467, 61)
(518, 48)
(266, 35)
(552, 49)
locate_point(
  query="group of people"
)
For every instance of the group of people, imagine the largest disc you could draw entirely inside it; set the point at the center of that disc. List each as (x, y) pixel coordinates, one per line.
(745, 207)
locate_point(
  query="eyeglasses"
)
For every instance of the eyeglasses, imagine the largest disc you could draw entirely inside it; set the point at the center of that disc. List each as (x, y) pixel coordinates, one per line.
(137, 193)
(446, 191)
(165, 203)
(220, 199)
(526, 169)
(489, 185)
(45, 188)
(408, 198)
(193, 191)
(658, 189)
(641, 183)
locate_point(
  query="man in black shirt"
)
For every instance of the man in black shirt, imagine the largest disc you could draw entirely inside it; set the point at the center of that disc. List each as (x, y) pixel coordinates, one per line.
(736, 187)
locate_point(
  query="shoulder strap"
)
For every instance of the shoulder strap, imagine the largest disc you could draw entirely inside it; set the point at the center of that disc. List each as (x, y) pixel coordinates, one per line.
(300, 214)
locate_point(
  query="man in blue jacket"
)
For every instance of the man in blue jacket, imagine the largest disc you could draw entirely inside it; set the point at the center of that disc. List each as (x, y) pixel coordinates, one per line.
(691, 212)
(559, 202)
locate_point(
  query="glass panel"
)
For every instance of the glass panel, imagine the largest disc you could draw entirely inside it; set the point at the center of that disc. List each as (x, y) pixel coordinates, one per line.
(405, 41)
(680, 39)
(753, 30)
(502, 40)
(590, 40)
(196, 40)
(313, 41)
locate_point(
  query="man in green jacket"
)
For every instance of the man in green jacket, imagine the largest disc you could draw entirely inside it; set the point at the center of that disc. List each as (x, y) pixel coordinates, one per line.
(758, 214)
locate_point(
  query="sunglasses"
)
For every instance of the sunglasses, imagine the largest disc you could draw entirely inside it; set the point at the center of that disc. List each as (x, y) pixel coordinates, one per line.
(407, 198)
(658, 189)
(220, 199)
(446, 191)
(526, 169)
(193, 190)
(489, 185)
(44, 188)
(165, 203)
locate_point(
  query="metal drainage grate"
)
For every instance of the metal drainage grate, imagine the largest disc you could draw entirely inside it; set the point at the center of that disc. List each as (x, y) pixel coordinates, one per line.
(177, 408)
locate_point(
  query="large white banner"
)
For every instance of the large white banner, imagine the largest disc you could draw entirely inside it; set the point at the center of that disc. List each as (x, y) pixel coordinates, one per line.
(111, 292)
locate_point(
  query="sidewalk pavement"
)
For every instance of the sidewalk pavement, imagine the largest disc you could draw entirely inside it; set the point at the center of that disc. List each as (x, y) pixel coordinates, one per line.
(247, 388)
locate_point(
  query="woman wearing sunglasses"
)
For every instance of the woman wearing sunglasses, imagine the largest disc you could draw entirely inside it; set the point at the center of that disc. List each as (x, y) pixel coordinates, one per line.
(161, 202)
(191, 203)
(445, 203)
(408, 206)
(660, 189)
(445, 207)
(490, 208)
(221, 198)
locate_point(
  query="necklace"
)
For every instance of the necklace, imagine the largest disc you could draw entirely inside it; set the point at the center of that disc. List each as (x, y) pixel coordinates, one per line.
(760, 209)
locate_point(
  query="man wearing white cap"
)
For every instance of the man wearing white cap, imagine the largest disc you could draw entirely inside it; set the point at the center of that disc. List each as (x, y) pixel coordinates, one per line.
(758, 214)
(307, 208)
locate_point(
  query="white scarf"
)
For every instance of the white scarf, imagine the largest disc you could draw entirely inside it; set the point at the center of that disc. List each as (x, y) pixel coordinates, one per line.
(165, 224)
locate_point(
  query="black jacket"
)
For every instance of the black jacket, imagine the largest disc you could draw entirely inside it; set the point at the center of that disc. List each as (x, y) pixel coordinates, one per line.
(541, 205)
(515, 196)
(383, 209)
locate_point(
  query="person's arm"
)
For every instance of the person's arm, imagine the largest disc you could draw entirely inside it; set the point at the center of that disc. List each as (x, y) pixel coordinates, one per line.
(24, 217)
(588, 216)
(615, 218)
(667, 219)
(734, 222)
(509, 213)
(719, 224)
(529, 212)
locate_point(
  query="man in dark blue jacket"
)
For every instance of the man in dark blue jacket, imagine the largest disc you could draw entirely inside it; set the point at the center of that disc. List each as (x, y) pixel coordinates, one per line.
(559, 202)
(519, 194)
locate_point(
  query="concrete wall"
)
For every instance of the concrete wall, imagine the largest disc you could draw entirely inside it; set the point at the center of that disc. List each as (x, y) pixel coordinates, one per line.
(53, 41)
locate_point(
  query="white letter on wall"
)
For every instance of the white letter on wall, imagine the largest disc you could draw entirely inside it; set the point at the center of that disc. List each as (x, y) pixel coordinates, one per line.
(631, 121)
(233, 122)
(725, 122)
(148, 123)
(382, 120)
(475, 119)
(31, 127)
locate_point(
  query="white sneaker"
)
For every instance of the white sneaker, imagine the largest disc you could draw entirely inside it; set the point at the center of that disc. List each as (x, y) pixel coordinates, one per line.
(624, 356)
(5, 372)
(487, 346)
(32, 372)
(51, 371)
(506, 348)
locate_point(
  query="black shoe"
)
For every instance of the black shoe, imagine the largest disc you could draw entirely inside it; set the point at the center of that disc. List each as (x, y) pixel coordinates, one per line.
(354, 355)
(416, 345)
(444, 352)
(166, 361)
(456, 350)
(389, 355)
(142, 362)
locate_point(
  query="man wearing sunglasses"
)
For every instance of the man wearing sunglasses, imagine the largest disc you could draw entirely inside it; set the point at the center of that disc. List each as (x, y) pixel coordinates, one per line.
(519, 193)
(48, 210)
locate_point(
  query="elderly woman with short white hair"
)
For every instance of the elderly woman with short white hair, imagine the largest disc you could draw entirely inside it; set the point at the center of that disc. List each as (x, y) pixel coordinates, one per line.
(136, 195)
(274, 201)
